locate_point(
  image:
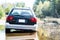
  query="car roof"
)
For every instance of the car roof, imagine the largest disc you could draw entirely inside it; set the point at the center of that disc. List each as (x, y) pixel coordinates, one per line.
(22, 8)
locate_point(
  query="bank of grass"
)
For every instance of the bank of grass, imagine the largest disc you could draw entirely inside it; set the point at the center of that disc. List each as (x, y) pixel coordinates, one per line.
(2, 27)
(42, 35)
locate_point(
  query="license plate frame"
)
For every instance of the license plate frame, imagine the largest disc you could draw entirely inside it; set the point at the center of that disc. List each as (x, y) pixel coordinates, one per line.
(21, 20)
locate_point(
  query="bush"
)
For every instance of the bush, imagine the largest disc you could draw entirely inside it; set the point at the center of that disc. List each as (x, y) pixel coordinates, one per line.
(0, 15)
(1, 11)
(2, 27)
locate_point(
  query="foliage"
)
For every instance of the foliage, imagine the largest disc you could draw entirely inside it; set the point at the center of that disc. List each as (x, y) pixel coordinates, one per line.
(1, 12)
(8, 7)
(37, 2)
(50, 8)
(22, 4)
(42, 9)
(58, 7)
(2, 27)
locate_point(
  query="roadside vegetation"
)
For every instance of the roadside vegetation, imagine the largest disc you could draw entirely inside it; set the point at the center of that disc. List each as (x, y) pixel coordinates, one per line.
(2, 27)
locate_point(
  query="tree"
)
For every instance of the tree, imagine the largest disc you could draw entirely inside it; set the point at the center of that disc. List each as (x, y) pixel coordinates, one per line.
(8, 7)
(36, 8)
(37, 2)
(35, 5)
(46, 10)
(1, 11)
(42, 9)
(42, 1)
(58, 7)
(22, 4)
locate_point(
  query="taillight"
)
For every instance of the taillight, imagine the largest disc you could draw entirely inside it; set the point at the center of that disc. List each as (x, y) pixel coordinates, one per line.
(9, 18)
(33, 20)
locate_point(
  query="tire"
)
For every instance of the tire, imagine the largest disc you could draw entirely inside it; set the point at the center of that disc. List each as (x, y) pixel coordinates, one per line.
(7, 30)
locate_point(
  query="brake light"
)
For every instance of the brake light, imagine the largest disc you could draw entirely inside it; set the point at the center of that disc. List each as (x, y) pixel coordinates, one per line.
(9, 18)
(33, 20)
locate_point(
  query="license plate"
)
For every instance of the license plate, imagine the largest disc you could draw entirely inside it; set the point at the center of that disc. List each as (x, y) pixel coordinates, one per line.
(22, 20)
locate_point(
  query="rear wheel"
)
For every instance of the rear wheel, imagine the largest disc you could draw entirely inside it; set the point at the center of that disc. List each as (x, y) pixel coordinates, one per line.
(7, 30)
(19, 31)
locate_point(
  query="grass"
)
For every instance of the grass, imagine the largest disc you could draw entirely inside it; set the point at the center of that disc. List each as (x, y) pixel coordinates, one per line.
(44, 35)
(41, 34)
(2, 27)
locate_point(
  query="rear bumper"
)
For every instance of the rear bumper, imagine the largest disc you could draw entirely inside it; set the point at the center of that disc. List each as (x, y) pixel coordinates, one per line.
(27, 27)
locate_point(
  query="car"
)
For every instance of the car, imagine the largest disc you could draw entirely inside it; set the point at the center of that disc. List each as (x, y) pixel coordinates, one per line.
(21, 19)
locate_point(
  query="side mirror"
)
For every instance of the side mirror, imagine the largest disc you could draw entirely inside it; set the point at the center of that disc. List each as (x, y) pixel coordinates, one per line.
(36, 16)
(7, 13)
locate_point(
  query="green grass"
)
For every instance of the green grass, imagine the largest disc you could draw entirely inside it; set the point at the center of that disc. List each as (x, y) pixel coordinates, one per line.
(2, 27)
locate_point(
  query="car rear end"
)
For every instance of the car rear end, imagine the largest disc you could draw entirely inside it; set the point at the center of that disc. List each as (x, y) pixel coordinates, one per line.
(23, 19)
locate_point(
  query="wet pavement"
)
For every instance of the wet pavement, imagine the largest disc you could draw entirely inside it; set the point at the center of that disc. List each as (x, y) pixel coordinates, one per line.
(21, 36)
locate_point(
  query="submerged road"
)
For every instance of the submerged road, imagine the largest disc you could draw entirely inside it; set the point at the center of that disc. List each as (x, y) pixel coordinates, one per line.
(21, 36)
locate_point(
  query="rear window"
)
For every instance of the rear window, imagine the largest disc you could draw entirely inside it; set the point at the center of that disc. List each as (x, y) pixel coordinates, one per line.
(21, 12)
